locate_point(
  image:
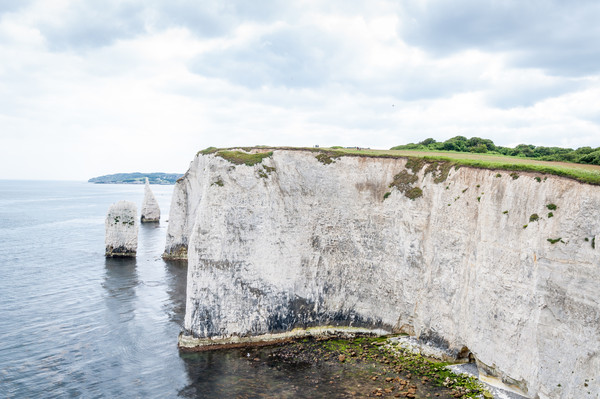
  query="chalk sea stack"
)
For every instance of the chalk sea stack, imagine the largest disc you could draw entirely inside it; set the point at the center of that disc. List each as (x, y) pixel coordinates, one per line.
(150, 209)
(121, 230)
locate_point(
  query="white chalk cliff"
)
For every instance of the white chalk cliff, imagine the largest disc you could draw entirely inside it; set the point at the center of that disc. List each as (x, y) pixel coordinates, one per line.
(295, 242)
(150, 208)
(121, 229)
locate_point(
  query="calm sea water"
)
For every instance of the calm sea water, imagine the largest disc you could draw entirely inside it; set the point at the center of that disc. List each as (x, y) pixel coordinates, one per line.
(74, 324)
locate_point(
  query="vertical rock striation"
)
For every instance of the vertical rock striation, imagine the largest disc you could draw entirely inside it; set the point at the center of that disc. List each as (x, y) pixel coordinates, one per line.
(150, 208)
(121, 229)
(186, 197)
(504, 266)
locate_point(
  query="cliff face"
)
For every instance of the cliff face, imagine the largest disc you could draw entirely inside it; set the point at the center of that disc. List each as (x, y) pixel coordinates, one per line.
(296, 242)
(187, 194)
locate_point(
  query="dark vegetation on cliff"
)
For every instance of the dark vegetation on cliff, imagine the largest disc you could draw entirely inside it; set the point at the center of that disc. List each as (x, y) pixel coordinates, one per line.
(137, 178)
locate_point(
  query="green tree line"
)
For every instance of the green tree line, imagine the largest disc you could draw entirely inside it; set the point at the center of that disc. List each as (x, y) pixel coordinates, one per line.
(587, 155)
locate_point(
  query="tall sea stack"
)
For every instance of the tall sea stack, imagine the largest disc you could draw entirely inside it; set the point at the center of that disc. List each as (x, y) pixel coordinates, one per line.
(121, 229)
(150, 209)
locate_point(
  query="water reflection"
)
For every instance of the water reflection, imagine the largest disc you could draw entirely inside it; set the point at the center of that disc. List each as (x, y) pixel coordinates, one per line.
(176, 275)
(151, 239)
(120, 280)
(120, 284)
(253, 373)
(226, 373)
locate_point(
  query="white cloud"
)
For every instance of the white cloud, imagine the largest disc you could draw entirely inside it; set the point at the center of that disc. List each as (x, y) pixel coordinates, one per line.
(88, 88)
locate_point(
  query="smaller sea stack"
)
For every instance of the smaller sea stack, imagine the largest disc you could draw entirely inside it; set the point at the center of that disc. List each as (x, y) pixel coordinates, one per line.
(121, 230)
(150, 209)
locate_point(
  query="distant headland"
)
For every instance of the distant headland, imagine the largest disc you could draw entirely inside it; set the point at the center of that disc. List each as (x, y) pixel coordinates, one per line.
(137, 178)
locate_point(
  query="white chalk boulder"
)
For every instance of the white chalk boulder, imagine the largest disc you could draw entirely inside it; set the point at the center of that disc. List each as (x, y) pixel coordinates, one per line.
(121, 229)
(150, 209)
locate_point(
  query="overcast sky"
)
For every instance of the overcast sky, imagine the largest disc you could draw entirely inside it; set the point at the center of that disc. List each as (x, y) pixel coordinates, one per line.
(96, 87)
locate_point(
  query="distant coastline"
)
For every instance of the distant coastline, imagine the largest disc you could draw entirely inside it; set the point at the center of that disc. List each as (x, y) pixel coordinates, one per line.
(137, 178)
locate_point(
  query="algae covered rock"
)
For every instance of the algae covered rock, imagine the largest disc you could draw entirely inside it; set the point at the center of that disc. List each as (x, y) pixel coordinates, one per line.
(150, 208)
(121, 229)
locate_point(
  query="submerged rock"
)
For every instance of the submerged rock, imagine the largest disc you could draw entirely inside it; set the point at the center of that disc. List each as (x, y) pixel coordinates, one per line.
(150, 209)
(121, 229)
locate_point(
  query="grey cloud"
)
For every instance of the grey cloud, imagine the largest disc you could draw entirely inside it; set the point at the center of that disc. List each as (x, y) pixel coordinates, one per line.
(575, 60)
(266, 10)
(210, 18)
(528, 94)
(423, 83)
(558, 36)
(292, 57)
(90, 24)
(13, 5)
(305, 57)
(205, 19)
(93, 24)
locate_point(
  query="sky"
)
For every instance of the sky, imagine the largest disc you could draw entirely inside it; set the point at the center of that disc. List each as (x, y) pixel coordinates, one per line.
(94, 87)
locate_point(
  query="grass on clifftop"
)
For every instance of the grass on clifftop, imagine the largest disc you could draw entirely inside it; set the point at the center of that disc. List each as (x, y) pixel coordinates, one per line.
(581, 172)
(239, 157)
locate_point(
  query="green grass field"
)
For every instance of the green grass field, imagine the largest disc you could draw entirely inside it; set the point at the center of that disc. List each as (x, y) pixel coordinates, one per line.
(584, 173)
(581, 172)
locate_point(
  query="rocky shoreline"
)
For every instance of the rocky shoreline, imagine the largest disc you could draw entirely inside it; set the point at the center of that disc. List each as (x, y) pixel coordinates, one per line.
(369, 367)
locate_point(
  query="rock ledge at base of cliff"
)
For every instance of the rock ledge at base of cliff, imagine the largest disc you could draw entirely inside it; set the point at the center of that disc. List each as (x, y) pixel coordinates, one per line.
(193, 344)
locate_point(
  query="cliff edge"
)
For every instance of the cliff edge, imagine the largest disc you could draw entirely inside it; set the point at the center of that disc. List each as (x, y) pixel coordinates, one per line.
(500, 264)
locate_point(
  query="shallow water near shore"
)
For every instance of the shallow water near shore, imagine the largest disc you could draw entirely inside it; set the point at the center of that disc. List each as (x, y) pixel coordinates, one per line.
(74, 324)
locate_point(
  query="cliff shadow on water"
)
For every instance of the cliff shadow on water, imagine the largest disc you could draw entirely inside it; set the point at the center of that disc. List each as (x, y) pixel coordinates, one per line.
(176, 272)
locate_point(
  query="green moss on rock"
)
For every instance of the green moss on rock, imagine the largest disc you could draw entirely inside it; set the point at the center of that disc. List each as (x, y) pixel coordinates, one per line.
(439, 170)
(415, 164)
(328, 157)
(414, 193)
(403, 181)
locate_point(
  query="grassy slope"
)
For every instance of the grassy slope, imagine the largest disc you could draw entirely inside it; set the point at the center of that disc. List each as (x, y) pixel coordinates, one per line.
(581, 172)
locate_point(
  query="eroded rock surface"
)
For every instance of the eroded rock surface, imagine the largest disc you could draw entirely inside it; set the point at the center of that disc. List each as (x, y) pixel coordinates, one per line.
(451, 256)
(150, 208)
(121, 229)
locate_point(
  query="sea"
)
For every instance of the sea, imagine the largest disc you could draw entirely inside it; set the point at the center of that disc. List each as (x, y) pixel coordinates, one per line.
(74, 324)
